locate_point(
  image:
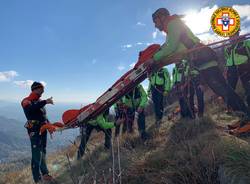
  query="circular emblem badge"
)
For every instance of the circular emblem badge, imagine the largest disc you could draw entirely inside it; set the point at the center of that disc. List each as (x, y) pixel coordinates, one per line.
(225, 21)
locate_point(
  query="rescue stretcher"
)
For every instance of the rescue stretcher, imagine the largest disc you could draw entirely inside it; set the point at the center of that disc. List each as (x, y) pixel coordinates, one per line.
(74, 118)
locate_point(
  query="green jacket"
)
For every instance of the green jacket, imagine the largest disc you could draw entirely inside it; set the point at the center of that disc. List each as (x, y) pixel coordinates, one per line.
(235, 56)
(174, 45)
(136, 98)
(183, 70)
(160, 78)
(102, 122)
(176, 75)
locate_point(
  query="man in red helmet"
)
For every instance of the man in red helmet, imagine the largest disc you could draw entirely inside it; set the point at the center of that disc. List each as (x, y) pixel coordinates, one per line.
(34, 110)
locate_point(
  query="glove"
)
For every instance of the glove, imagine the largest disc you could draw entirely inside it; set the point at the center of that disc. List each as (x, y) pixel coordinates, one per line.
(58, 124)
(50, 127)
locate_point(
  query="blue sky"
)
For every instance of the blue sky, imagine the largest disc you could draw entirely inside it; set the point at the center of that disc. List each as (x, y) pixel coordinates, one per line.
(79, 48)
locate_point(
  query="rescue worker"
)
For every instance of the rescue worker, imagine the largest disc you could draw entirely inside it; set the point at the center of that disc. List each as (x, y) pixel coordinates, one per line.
(159, 86)
(34, 110)
(180, 39)
(237, 58)
(100, 123)
(185, 90)
(193, 87)
(178, 85)
(135, 102)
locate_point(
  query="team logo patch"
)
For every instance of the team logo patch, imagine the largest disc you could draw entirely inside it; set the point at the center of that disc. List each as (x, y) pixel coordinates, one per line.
(225, 21)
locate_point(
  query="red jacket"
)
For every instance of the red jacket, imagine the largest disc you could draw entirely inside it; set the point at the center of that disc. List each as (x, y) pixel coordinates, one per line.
(34, 108)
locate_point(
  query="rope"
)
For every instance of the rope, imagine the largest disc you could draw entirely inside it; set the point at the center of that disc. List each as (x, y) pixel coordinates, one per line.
(119, 160)
(113, 161)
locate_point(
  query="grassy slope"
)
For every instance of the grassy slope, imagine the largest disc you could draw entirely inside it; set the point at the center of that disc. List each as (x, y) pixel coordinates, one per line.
(179, 152)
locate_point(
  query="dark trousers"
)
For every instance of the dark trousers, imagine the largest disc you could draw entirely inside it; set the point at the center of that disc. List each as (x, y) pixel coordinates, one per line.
(186, 98)
(128, 124)
(38, 150)
(186, 101)
(195, 89)
(242, 72)
(141, 126)
(157, 97)
(85, 135)
(141, 122)
(215, 80)
(120, 113)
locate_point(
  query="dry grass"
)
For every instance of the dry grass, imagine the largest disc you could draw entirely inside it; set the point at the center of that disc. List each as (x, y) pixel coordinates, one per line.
(181, 152)
(185, 157)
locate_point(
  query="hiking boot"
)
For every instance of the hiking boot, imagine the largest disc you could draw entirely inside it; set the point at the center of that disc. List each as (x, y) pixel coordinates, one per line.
(47, 178)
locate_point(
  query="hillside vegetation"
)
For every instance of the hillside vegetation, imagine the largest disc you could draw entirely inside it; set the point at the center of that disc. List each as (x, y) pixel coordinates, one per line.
(179, 152)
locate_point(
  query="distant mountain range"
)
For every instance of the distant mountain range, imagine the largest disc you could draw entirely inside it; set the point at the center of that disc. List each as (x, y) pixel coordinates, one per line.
(14, 141)
(14, 110)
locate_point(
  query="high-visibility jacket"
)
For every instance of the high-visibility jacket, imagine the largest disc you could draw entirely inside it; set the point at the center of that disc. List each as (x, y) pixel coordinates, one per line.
(183, 70)
(160, 78)
(136, 98)
(176, 30)
(238, 53)
(102, 122)
(176, 75)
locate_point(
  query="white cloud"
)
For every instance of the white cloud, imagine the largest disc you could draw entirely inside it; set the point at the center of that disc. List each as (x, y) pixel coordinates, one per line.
(7, 75)
(121, 67)
(24, 84)
(27, 83)
(140, 24)
(127, 46)
(132, 65)
(157, 33)
(245, 30)
(139, 43)
(43, 83)
(199, 21)
(243, 10)
(154, 34)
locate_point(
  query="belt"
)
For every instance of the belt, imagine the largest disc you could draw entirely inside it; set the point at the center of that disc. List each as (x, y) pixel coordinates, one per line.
(30, 123)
